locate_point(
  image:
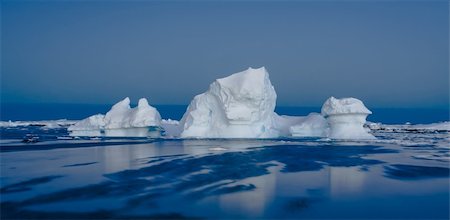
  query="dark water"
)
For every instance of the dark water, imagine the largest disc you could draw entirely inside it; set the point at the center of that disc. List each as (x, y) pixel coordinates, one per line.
(186, 179)
(402, 175)
(23, 112)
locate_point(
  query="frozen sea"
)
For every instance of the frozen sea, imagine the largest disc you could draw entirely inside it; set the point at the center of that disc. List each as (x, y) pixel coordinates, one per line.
(403, 174)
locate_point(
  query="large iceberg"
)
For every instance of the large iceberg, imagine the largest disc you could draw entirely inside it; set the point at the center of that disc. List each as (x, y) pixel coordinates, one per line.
(121, 121)
(242, 106)
(238, 106)
(346, 118)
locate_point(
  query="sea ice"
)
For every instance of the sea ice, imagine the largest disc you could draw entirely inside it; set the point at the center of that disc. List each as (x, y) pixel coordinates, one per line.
(242, 106)
(238, 106)
(90, 126)
(121, 121)
(283, 123)
(433, 127)
(346, 118)
(122, 116)
(313, 125)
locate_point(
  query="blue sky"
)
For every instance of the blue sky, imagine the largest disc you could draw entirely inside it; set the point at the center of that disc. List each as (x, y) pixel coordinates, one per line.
(387, 53)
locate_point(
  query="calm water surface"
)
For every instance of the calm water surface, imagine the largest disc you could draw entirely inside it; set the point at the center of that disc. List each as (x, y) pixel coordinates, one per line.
(401, 175)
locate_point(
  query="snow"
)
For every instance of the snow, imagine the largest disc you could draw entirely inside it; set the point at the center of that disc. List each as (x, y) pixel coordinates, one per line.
(297, 126)
(346, 118)
(348, 127)
(242, 106)
(91, 126)
(443, 126)
(283, 123)
(94, 122)
(334, 106)
(121, 121)
(313, 125)
(122, 115)
(238, 106)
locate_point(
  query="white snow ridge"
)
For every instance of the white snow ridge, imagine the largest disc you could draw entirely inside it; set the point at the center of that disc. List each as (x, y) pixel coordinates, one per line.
(121, 121)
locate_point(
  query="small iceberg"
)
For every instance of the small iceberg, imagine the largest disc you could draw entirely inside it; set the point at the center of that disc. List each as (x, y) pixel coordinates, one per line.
(121, 121)
(242, 106)
(346, 118)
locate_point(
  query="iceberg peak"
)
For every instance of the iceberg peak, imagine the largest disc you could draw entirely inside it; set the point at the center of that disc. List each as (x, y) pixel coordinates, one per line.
(122, 105)
(238, 106)
(247, 82)
(143, 103)
(334, 106)
(346, 118)
(120, 121)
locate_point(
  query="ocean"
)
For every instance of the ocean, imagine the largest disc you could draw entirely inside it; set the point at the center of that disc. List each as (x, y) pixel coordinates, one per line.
(28, 112)
(403, 174)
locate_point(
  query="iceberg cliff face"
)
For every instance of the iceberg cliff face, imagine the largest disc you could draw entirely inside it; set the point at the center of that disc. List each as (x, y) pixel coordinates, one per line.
(346, 118)
(91, 126)
(238, 106)
(120, 121)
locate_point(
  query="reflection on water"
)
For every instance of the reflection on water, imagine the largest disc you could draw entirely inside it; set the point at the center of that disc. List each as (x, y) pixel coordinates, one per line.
(344, 181)
(245, 178)
(253, 203)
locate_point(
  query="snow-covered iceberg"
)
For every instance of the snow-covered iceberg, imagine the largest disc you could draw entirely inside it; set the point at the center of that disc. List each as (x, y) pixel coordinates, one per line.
(242, 106)
(238, 106)
(121, 121)
(346, 118)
